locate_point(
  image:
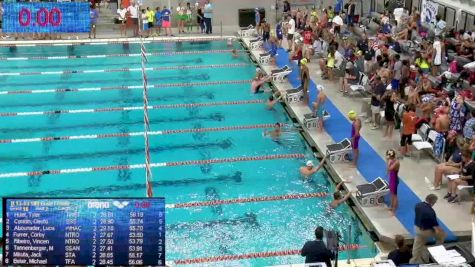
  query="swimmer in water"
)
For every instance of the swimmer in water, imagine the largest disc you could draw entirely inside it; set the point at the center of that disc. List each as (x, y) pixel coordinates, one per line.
(258, 81)
(274, 133)
(272, 101)
(308, 170)
(234, 53)
(337, 198)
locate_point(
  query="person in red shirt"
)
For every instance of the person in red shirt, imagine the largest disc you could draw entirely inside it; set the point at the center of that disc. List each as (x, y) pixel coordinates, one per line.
(409, 120)
(307, 42)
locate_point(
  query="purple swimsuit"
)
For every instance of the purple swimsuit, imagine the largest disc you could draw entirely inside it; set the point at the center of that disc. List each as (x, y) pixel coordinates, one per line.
(393, 180)
(355, 138)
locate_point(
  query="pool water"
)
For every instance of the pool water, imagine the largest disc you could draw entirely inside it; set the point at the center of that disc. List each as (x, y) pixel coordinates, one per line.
(191, 232)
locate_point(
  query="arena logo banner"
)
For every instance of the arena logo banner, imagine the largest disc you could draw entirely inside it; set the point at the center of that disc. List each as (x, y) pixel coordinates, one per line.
(429, 11)
(46, 17)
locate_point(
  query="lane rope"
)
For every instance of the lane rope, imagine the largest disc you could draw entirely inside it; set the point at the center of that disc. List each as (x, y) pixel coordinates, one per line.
(130, 87)
(256, 255)
(152, 165)
(133, 108)
(133, 134)
(116, 41)
(62, 72)
(197, 52)
(245, 200)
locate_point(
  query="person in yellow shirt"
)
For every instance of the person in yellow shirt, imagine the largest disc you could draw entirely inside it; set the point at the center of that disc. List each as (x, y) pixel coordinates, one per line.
(150, 18)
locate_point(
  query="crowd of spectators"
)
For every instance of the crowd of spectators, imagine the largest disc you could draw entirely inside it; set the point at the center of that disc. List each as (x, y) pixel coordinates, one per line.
(419, 75)
(420, 78)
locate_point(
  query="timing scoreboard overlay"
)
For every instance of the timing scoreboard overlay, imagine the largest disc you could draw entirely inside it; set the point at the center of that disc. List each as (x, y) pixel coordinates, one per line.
(46, 17)
(84, 231)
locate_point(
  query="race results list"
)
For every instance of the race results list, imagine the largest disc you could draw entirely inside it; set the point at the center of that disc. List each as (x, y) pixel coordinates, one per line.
(84, 231)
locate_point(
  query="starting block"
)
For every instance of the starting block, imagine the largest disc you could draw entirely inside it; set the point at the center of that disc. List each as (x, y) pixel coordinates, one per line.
(264, 58)
(247, 32)
(294, 95)
(372, 194)
(256, 43)
(340, 151)
(310, 119)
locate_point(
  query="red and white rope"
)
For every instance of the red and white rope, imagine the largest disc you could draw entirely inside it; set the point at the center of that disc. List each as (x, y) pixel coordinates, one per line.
(129, 87)
(245, 200)
(133, 108)
(148, 160)
(133, 134)
(255, 255)
(62, 72)
(152, 165)
(192, 52)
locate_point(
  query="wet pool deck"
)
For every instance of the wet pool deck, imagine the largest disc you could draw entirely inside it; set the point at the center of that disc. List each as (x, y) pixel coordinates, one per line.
(456, 217)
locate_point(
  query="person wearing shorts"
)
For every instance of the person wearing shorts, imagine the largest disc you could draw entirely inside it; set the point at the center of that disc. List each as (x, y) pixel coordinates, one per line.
(133, 11)
(158, 21)
(290, 32)
(166, 20)
(409, 120)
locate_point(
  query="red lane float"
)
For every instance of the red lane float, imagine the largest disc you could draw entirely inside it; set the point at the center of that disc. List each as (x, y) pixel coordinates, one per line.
(217, 51)
(100, 110)
(130, 87)
(152, 165)
(256, 255)
(62, 72)
(246, 200)
(132, 134)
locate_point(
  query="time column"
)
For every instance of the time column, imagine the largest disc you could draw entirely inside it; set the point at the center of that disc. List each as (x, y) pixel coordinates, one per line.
(136, 236)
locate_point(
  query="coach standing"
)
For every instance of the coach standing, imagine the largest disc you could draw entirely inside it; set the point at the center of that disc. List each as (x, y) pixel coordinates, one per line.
(426, 226)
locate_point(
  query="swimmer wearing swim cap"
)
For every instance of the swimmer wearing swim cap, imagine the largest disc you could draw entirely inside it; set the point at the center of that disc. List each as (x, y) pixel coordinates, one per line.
(355, 135)
(309, 169)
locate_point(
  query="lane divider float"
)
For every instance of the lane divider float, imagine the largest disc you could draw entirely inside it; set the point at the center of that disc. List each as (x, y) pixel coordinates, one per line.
(129, 87)
(197, 52)
(152, 165)
(134, 108)
(245, 200)
(62, 72)
(255, 255)
(114, 41)
(132, 134)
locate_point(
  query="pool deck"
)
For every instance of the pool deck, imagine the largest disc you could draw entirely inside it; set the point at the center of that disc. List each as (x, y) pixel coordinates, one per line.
(456, 217)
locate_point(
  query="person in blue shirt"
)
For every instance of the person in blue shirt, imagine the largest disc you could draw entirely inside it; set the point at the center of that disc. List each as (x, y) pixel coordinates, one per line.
(278, 33)
(427, 226)
(158, 21)
(94, 14)
(166, 20)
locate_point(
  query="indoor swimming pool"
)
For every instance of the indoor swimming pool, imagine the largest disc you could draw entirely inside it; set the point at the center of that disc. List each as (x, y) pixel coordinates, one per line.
(72, 126)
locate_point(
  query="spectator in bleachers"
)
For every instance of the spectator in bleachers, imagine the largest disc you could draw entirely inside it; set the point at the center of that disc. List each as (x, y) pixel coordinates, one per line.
(457, 112)
(452, 164)
(467, 175)
(351, 77)
(469, 127)
(440, 25)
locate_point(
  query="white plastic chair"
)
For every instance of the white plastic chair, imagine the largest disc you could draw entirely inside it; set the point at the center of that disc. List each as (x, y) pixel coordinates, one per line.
(425, 145)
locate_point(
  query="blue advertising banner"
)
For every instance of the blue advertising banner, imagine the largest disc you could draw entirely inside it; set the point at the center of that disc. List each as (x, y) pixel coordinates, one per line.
(84, 231)
(46, 17)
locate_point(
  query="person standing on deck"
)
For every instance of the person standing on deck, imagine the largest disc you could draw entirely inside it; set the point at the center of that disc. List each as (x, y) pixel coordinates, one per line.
(319, 108)
(355, 135)
(304, 79)
(426, 226)
(208, 15)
